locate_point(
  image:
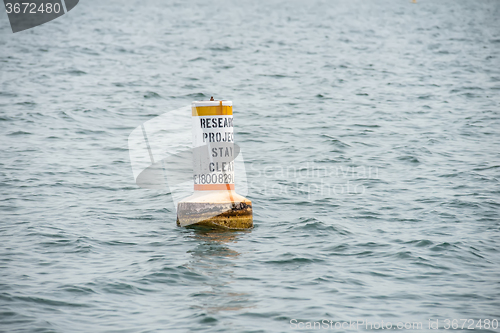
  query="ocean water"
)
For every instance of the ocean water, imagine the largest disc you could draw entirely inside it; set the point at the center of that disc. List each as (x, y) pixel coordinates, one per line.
(371, 132)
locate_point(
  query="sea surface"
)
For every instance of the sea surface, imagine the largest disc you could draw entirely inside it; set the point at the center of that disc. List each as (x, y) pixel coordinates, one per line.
(371, 134)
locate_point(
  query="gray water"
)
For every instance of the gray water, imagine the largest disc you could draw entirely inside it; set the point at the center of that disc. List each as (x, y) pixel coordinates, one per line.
(371, 132)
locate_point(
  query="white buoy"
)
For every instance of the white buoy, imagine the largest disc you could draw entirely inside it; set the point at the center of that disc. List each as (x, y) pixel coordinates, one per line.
(214, 202)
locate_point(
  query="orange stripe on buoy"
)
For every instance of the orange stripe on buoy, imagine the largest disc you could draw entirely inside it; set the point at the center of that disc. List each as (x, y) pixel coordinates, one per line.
(222, 110)
(213, 187)
(228, 188)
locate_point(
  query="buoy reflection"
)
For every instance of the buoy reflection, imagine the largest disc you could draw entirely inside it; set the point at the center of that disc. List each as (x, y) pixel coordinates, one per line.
(214, 258)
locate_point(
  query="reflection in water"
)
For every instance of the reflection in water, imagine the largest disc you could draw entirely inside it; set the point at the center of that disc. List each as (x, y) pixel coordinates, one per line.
(213, 258)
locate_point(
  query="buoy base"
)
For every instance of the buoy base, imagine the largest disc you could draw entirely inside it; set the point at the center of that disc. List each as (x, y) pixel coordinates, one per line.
(215, 209)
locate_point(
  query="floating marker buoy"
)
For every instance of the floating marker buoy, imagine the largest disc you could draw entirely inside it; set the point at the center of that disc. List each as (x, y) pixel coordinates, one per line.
(214, 202)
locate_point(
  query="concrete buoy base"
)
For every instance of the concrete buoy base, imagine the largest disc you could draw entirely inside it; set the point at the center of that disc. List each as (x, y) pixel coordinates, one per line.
(216, 209)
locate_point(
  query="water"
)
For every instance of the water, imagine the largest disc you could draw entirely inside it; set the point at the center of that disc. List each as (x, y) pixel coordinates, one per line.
(371, 135)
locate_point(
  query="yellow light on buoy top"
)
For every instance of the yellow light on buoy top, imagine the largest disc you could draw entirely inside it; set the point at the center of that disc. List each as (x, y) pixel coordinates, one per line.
(214, 202)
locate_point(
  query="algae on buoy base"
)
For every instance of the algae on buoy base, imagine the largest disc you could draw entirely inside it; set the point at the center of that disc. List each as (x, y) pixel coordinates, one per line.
(215, 209)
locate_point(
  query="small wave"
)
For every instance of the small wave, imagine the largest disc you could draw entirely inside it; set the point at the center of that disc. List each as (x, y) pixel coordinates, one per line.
(296, 260)
(313, 224)
(7, 94)
(74, 289)
(276, 76)
(220, 48)
(420, 243)
(173, 276)
(197, 59)
(487, 168)
(409, 158)
(19, 133)
(48, 301)
(151, 94)
(368, 126)
(445, 246)
(26, 103)
(335, 141)
(195, 96)
(121, 288)
(76, 72)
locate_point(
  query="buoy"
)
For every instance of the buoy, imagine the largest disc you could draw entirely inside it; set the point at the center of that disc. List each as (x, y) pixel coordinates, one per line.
(214, 202)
